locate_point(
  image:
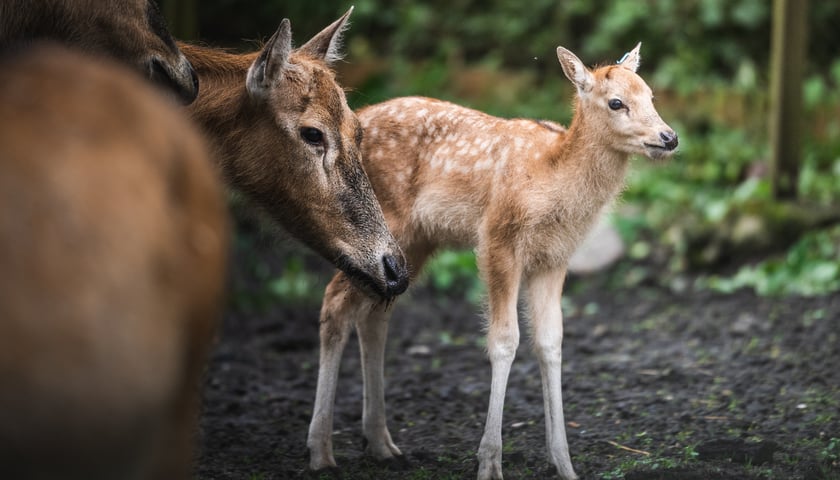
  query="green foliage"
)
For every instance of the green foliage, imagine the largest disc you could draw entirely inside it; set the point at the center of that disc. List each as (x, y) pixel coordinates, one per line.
(706, 60)
(455, 273)
(831, 452)
(704, 184)
(295, 284)
(809, 268)
(514, 32)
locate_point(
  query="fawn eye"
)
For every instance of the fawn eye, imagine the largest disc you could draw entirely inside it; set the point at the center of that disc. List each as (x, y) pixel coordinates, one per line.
(615, 104)
(312, 136)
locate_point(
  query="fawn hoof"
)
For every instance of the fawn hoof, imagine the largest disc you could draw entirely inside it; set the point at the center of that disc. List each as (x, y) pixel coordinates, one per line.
(397, 463)
(490, 470)
(383, 449)
(321, 462)
(566, 474)
(333, 473)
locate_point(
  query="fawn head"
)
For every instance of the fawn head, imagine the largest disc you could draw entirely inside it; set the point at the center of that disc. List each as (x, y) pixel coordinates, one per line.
(617, 102)
(316, 182)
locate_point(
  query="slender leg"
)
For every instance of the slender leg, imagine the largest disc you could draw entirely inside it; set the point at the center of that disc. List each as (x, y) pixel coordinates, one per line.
(502, 341)
(373, 331)
(544, 292)
(343, 304)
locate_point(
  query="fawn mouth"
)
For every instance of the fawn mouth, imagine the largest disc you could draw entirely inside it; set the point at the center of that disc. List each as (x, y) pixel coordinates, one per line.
(658, 151)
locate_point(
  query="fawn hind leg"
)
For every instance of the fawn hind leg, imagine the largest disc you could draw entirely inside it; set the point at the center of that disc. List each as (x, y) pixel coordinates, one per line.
(342, 307)
(373, 332)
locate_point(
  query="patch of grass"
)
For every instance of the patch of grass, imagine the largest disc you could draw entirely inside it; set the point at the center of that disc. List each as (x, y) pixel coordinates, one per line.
(822, 404)
(831, 452)
(648, 462)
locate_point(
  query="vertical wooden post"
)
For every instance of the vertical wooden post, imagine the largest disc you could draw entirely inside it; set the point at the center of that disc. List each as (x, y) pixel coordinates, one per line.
(790, 31)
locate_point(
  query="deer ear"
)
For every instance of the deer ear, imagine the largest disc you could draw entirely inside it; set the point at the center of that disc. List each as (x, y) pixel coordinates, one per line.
(575, 70)
(267, 67)
(327, 44)
(631, 59)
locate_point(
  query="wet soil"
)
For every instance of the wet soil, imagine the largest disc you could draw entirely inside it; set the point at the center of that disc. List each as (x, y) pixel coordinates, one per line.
(657, 385)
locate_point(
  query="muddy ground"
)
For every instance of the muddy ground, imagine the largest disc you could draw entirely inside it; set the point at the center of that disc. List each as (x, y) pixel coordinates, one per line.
(657, 384)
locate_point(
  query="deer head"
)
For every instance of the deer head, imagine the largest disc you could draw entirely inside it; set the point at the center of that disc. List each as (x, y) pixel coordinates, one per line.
(307, 170)
(617, 100)
(143, 35)
(132, 31)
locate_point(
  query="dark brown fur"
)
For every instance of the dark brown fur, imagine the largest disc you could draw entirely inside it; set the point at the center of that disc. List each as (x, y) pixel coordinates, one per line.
(131, 31)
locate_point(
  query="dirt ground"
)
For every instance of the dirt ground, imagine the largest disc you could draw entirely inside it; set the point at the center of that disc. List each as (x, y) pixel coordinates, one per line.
(657, 385)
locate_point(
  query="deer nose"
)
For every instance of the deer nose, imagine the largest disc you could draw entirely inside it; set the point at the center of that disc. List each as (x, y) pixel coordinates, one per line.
(183, 83)
(669, 138)
(396, 276)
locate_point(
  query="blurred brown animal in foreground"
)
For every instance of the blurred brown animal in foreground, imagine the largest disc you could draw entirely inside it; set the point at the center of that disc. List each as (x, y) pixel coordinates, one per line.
(113, 241)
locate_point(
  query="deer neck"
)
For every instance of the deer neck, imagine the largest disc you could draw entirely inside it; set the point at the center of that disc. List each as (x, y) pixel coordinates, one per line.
(222, 106)
(591, 166)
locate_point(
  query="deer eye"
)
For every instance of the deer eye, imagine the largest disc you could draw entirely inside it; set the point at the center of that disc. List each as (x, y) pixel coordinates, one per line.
(312, 136)
(616, 104)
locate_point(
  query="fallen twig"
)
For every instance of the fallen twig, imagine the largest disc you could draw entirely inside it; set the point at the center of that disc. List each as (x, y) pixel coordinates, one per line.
(633, 450)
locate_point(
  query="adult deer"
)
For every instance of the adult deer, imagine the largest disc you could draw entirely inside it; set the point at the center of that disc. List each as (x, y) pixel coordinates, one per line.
(113, 241)
(285, 137)
(523, 193)
(132, 31)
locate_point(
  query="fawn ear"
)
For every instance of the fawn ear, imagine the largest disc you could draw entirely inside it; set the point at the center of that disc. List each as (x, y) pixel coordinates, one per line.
(327, 44)
(267, 68)
(631, 59)
(575, 70)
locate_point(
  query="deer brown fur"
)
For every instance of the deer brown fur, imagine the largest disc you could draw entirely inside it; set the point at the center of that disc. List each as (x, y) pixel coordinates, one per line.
(131, 31)
(285, 137)
(113, 241)
(523, 193)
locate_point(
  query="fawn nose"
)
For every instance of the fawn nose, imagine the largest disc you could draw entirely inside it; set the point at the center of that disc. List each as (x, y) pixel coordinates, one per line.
(396, 276)
(669, 138)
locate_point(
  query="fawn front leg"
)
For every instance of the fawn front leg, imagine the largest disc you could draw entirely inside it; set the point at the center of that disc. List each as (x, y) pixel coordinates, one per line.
(502, 341)
(544, 292)
(342, 305)
(373, 331)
